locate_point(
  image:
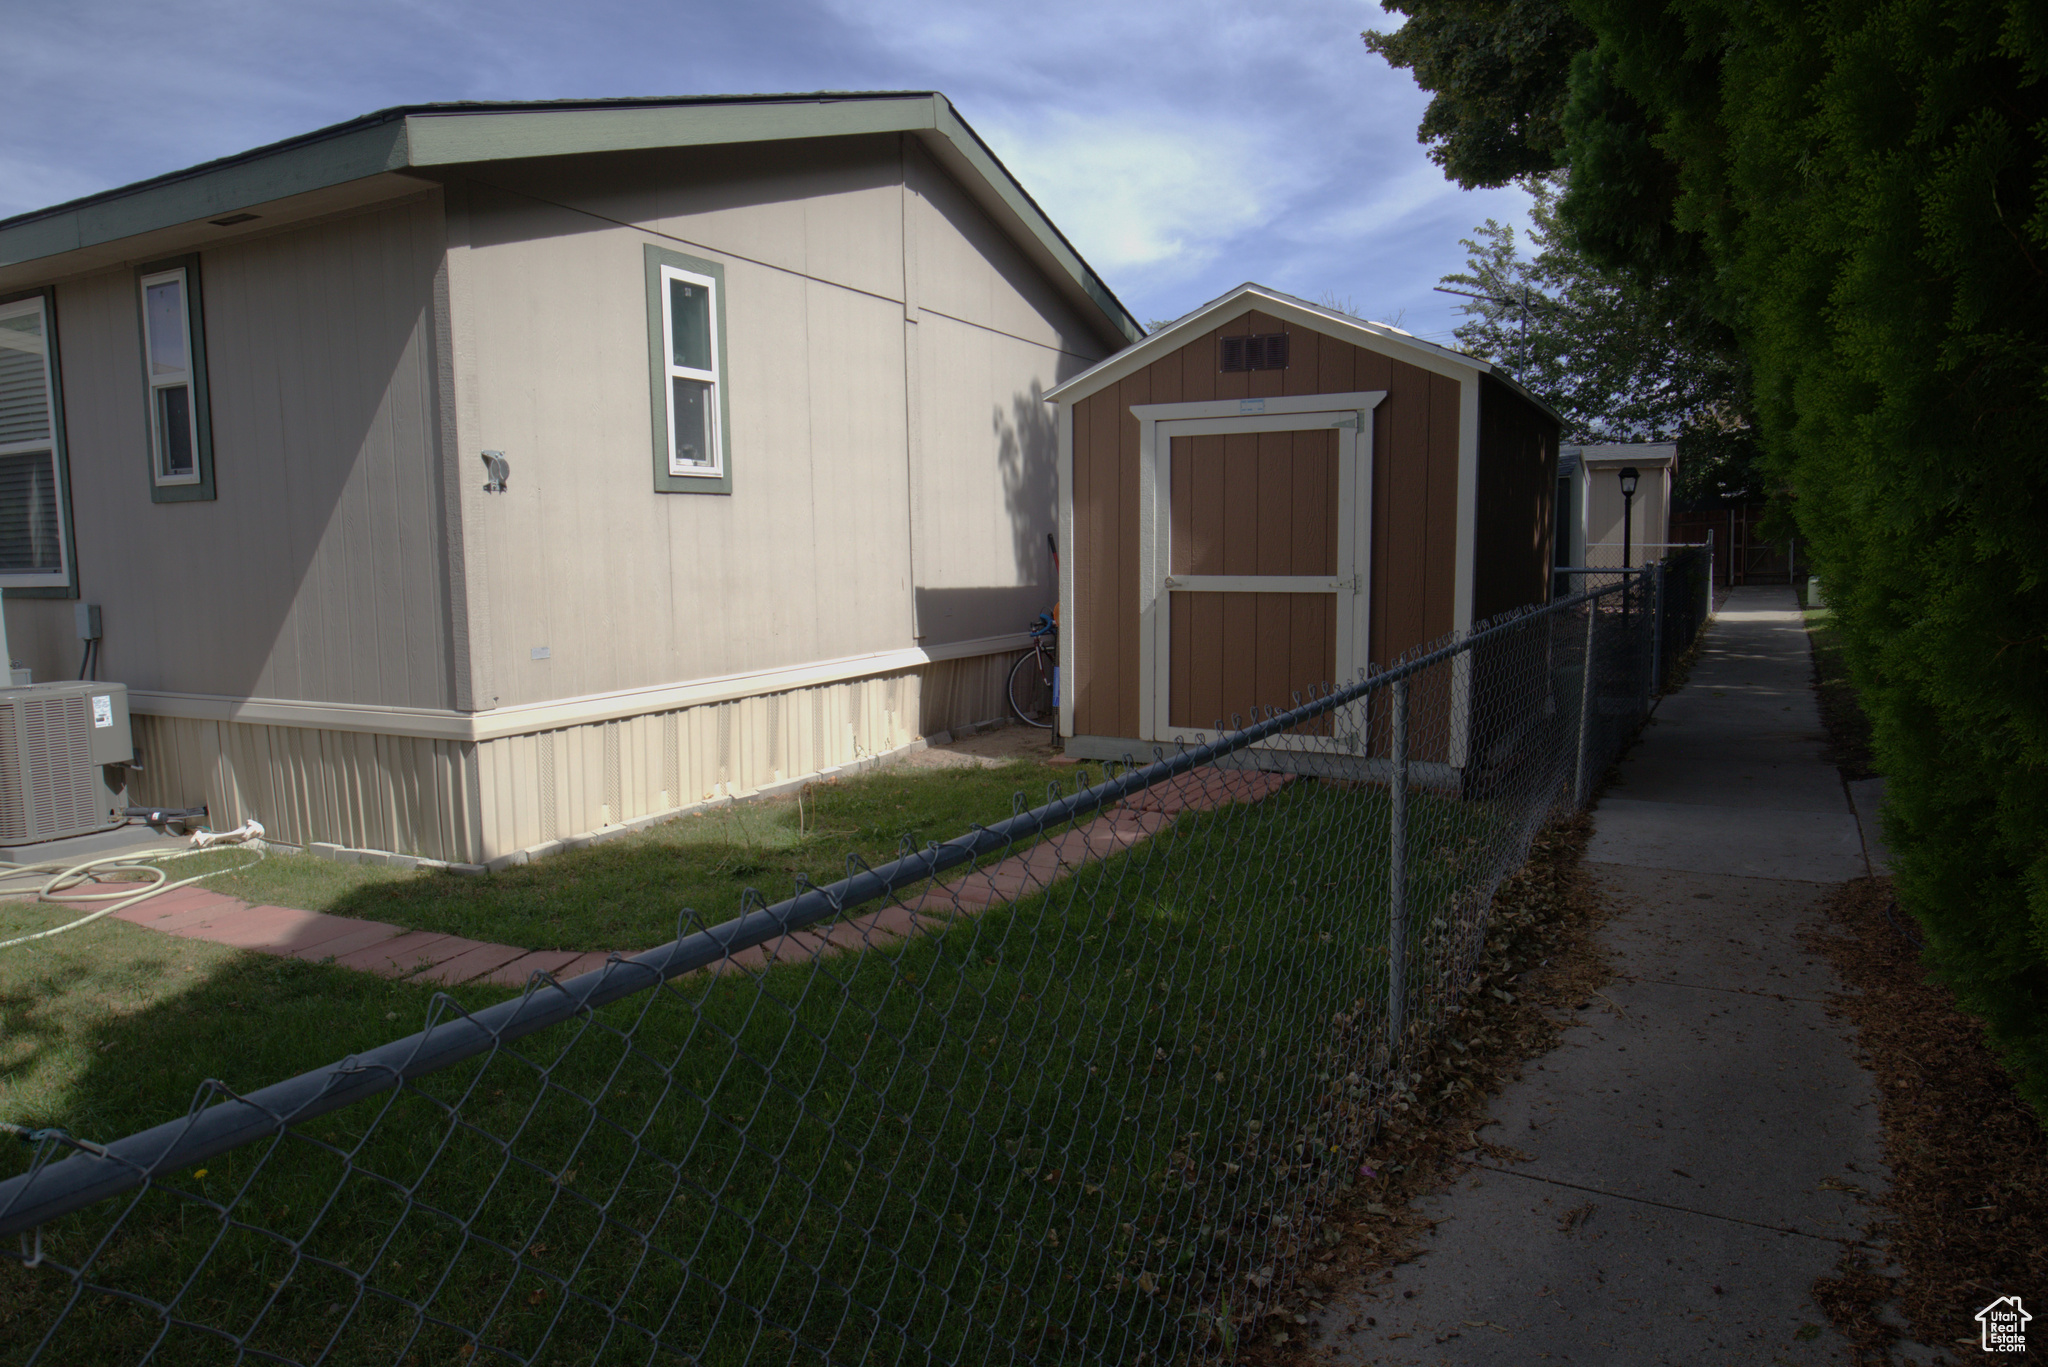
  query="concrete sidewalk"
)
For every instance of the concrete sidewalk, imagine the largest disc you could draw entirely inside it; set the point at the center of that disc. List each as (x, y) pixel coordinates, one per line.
(1699, 1147)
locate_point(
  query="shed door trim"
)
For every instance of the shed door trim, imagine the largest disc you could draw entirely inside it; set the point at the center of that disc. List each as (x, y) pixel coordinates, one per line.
(1350, 414)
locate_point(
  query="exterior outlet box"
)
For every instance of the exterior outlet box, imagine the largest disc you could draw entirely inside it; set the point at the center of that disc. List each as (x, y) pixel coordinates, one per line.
(88, 618)
(61, 745)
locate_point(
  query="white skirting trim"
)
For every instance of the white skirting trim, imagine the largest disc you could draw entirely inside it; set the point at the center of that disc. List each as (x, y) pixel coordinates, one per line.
(527, 718)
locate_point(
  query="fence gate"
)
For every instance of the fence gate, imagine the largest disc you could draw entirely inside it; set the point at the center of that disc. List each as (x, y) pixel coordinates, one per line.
(1266, 527)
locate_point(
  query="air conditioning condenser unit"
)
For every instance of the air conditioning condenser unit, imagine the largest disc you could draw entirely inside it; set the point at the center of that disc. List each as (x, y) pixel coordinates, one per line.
(64, 748)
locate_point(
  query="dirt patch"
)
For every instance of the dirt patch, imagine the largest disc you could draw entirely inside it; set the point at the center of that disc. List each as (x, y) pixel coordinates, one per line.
(1540, 963)
(1966, 1218)
(992, 746)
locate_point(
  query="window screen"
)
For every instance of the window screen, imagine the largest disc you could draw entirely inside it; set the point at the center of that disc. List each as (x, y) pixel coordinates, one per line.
(691, 347)
(32, 541)
(167, 356)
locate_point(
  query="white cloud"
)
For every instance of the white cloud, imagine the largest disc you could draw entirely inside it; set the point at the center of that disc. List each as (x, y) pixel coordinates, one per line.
(1133, 191)
(1182, 146)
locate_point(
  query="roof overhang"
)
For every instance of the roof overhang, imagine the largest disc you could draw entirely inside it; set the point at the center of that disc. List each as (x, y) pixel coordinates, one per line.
(1249, 297)
(402, 151)
(1617, 454)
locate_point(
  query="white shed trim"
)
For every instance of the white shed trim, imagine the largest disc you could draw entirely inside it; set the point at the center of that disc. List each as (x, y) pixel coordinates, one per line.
(1351, 412)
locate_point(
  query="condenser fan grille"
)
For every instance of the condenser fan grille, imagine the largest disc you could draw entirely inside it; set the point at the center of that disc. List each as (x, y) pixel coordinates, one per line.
(47, 787)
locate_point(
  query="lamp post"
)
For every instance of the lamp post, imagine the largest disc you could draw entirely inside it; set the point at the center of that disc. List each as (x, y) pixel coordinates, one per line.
(1628, 503)
(1628, 507)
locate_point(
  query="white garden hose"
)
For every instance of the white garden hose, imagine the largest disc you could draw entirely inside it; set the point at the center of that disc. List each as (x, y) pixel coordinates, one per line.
(60, 879)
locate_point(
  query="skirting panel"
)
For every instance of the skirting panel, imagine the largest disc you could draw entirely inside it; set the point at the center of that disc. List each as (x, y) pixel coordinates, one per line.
(551, 784)
(467, 802)
(399, 793)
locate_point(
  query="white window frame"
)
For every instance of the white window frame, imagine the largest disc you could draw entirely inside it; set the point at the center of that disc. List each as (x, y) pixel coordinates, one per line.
(715, 467)
(185, 377)
(52, 445)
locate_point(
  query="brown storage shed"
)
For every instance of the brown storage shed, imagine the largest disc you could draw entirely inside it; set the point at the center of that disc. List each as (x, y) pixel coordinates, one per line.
(1267, 496)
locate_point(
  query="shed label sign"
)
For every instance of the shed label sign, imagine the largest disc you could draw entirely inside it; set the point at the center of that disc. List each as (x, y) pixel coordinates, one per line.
(1251, 405)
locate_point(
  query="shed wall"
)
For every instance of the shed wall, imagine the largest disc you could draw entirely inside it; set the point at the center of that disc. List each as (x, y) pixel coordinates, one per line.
(1415, 492)
(1650, 516)
(1515, 520)
(318, 573)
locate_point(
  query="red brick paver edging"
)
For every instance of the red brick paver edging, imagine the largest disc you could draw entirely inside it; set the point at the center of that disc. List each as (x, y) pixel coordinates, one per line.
(374, 947)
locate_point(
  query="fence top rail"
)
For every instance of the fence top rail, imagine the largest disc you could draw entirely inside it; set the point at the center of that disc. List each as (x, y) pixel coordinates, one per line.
(94, 1172)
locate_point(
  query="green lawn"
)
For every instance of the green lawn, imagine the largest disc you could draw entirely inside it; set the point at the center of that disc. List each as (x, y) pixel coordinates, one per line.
(1080, 1122)
(628, 893)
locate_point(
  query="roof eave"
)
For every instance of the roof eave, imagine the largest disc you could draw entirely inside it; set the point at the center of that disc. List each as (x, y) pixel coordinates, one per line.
(423, 139)
(1381, 336)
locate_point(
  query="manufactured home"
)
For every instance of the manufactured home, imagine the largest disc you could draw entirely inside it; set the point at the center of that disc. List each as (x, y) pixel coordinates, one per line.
(464, 478)
(1268, 497)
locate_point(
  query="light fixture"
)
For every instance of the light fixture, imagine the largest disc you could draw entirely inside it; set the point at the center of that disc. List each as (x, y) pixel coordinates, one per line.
(1628, 501)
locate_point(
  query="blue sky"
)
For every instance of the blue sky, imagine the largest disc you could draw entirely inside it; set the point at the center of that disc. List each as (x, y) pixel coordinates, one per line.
(1184, 147)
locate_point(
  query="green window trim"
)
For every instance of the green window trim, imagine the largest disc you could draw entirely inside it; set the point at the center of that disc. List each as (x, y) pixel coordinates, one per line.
(59, 447)
(659, 374)
(199, 487)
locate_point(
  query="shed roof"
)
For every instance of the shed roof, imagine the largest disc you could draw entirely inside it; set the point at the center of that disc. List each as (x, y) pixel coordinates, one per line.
(1384, 337)
(1622, 453)
(381, 155)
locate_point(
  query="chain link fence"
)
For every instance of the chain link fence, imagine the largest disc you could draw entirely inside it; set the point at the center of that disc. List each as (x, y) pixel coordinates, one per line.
(1083, 1084)
(1676, 591)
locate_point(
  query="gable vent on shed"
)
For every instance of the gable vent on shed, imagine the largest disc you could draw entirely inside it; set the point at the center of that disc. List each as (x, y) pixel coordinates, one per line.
(1259, 351)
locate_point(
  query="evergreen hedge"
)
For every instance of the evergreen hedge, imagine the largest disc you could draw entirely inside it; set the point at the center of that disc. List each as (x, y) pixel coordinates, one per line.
(1869, 185)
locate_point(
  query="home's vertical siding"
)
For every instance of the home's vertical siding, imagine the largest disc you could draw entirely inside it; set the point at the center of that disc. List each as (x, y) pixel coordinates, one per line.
(400, 793)
(319, 571)
(986, 337)
(1415, 473)
(892, 460)
(1516, 517)
(467, 802)
(580, 779)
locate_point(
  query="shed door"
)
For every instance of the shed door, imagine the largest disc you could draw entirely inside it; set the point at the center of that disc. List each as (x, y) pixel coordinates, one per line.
(1264, 586)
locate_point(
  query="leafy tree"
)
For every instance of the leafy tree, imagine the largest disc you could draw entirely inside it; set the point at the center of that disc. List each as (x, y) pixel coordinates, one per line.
(1497, 69)
(1621, 357)
(1860, 192)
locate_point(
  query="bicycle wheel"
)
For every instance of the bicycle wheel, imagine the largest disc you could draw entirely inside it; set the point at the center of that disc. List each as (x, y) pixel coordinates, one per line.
(1031, 683)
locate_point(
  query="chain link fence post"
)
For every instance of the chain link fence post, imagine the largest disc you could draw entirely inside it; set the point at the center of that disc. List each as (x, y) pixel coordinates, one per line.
(1657, 634)
(1397, 876)
(1585, 706)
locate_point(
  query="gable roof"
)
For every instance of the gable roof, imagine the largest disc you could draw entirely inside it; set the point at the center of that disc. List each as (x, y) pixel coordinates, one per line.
(380, 155)
(1382, 337)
